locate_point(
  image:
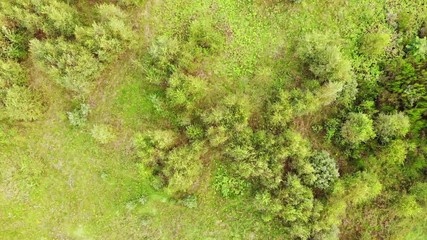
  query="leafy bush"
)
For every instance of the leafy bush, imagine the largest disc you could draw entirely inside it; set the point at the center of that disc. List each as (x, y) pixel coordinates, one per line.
(203, 34)
(407, 206)
(256, 157)
(292, 206)
(152, 146)
(281, 110)
(268, 205)
(418, 48)
(305, 102)
(109, 36)
(11, 73)
(195, 132)
(103, 133)
(60, 18)
(349, 93)
(297, 203)
(324, 58)
(393, 125)
(227, 185)
(157, 182)
(419, 190)
(13, 43)
(331, 126)
(394, 153)
(232, 113)
(21, 104)
(299, 151)
(183, 168)
(186, 91)
(52, 18)
(329, 216)
(406, 21)
(325, 170)
(164, 56)
(358, 128)
(328, 93)
(190, 201)
(70, 65)
(78, 116)
(374, 44)
(362, 187)
(217, 136)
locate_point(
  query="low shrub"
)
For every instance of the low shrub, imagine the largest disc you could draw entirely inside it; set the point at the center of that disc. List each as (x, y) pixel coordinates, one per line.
(103, 133)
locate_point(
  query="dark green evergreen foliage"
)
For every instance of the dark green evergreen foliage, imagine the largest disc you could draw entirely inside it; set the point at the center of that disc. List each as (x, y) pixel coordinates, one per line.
(418, 48)
(405, 86)
(325, 170)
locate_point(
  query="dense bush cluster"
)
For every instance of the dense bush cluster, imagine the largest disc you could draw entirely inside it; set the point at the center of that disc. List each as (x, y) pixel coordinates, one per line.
(268, 155)
(317, 127)
(72, 53)
(70, 65)
(18, 102)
